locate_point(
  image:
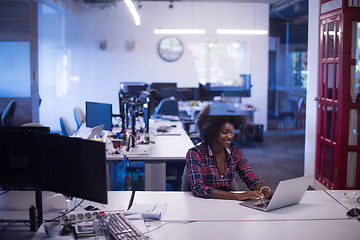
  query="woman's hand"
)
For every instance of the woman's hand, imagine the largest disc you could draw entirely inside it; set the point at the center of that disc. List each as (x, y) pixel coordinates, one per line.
(249, 195)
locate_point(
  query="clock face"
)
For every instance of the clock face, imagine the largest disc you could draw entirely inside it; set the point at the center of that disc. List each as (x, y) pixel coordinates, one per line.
(170, 48)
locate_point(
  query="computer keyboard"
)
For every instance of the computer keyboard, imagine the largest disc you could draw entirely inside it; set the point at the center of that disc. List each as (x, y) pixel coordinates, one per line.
(121, 228)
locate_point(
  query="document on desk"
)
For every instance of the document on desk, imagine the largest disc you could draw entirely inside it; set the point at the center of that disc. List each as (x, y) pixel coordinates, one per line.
(135, 153)
(154, 211)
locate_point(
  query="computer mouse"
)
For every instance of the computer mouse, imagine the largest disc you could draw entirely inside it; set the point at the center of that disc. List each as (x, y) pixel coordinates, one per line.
(354, 212)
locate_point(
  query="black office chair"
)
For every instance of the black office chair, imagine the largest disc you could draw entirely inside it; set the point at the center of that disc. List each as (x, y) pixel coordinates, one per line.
(7, 117)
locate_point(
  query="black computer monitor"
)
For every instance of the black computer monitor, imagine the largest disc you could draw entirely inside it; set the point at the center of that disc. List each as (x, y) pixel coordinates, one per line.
(165, 89)
(36, 160)
(73, 167)
(133, 89)
(240, 89)
(97, 114)
(16, 171)
(188, 94)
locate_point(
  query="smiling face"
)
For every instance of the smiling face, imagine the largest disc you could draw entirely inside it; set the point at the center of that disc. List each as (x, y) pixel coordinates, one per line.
(226, 135)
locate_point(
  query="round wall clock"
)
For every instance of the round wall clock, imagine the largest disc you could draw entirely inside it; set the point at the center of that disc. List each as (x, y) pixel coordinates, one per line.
(170, 48)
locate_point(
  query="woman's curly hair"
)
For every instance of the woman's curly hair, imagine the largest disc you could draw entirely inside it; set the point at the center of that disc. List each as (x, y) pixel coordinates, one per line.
(209, 126)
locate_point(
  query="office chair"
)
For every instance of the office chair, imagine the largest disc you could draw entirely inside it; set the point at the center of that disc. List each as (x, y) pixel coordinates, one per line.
(167, 106)
(7, 117)
(65, 127)
(185, 183)
(79, 116)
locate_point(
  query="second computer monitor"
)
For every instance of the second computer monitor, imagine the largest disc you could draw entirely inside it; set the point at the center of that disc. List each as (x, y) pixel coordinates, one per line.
(98, 113)
(165, 89)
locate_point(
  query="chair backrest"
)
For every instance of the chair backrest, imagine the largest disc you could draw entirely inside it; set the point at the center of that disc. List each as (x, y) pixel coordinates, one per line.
(167, 106)
(65, 127)
(185, 183)
(7, 117)
(79, 116)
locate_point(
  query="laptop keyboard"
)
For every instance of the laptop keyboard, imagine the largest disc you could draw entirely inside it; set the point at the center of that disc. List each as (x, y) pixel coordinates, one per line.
(122, 228)
(262, 204)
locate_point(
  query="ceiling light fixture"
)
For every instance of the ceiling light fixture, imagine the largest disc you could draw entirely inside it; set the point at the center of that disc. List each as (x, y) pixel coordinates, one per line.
(133, 11)
(241, 32)
(179, 31)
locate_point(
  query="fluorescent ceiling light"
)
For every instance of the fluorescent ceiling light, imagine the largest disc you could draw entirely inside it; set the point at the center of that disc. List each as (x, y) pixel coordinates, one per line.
(133, 11)
(239, 31)
(179, 31)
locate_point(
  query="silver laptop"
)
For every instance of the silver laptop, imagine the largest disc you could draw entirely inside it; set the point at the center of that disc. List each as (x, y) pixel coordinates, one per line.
(288, 192)
(96, 132)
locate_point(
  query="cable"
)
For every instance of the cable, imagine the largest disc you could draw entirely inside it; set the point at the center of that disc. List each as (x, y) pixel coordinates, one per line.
(6, 191)
(58, 217)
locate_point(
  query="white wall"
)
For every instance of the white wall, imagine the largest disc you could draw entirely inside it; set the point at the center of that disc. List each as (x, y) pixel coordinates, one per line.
(73, 69)
(312, 87)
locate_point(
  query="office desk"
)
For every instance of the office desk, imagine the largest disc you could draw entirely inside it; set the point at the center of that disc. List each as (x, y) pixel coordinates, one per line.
(318, 216)
(172, 146)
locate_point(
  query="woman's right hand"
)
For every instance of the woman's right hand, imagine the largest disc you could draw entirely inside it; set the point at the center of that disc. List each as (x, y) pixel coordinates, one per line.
(249, 195)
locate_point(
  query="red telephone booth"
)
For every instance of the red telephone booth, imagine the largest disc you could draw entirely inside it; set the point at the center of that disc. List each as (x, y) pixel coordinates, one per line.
(338, 101)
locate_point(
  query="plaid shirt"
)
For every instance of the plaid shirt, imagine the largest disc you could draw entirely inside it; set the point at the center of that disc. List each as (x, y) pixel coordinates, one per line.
(203, 173)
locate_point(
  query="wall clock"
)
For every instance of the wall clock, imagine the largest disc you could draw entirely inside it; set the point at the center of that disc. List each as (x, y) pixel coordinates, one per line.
(170, 48)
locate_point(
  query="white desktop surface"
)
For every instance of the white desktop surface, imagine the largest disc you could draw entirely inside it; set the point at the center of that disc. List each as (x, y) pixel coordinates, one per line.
(318, 216)
(314, 205)
(347, 198)
(269, 230)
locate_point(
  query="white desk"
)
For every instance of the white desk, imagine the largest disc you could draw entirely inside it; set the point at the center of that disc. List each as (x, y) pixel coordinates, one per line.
(167, 147)
(318, 216)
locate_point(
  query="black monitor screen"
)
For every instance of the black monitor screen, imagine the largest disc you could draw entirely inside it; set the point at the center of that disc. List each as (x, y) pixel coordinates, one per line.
(133, 89)
(15, 163)
(71, 166)
(97, 114)
(165, 89)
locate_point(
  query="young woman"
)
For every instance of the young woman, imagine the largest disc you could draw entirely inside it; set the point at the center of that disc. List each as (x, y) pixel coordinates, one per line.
(212, 164)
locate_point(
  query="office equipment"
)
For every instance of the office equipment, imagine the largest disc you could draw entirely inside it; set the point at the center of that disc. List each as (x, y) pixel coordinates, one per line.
(188, 94)
(97, 114)
(131, 200)
(133, 89)
(96, 132)
(15, 156)
(7, 117)
(122, 228)
(73, 167)
(165, 89)
(243, 89)
(287, 193)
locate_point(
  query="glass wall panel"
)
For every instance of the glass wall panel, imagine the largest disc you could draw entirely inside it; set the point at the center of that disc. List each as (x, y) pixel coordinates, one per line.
(331, 38)
(323, 41)
(323, 81)
(328, 122)
(334, 173)
(353, 126)
(15, 69)
(327, 161)
(330, 81)
(351, 169)
(335, 123)
(337, 77)
(337, 36)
